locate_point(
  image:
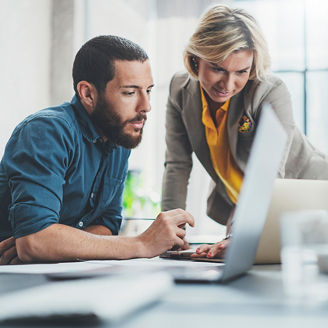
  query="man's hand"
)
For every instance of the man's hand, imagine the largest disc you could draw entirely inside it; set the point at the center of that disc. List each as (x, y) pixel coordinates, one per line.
(8, 252)
(185, 246)
(212, 251)
(165, 232)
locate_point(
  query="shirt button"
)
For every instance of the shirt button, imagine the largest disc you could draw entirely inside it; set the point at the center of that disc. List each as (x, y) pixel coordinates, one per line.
(92, 195)
(80, 224)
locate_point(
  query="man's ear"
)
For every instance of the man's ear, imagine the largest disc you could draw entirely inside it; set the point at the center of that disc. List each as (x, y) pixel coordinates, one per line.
(88, 95)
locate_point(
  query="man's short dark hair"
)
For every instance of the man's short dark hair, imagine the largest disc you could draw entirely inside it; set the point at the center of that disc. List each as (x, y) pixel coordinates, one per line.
(94, 62)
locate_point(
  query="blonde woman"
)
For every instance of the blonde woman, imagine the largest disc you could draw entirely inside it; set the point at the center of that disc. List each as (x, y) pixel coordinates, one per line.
(213, 111)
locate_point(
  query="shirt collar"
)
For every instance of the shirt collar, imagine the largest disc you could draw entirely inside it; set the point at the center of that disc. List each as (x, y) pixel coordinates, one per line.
(225, 106)
(88, 129)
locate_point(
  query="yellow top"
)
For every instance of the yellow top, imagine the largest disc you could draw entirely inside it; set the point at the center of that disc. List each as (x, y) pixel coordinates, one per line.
(218, 143)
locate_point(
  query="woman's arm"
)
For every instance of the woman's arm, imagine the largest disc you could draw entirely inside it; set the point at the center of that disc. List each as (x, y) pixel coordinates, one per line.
(178, 157)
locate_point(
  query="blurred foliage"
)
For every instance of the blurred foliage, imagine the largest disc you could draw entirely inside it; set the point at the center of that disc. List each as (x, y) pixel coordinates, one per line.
(138, 202)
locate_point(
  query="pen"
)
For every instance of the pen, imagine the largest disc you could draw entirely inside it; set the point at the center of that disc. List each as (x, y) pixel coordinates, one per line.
(130, 218)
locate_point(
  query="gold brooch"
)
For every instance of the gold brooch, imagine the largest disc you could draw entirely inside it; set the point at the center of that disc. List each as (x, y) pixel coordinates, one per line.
(244, 124)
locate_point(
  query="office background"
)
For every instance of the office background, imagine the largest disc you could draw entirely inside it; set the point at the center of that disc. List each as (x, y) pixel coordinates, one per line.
(39, 39)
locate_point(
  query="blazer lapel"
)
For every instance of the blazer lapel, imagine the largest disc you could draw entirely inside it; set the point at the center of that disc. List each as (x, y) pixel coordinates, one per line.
(235, 112)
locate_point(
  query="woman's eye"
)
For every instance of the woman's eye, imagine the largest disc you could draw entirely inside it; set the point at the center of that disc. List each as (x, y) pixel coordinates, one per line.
(218, 69)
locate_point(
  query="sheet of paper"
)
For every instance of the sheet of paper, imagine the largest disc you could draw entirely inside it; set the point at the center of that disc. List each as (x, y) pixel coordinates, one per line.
(176, 268)
(155, 262)
(51, 267)
(103, 266)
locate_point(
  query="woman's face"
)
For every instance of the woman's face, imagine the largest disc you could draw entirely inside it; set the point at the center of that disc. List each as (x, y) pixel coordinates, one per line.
(223, 80)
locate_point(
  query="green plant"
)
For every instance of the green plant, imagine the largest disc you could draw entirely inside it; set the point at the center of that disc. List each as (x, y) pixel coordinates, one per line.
(136, 200)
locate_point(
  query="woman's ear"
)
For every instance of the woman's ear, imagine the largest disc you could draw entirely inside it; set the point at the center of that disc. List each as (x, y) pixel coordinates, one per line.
(195, 64)
(88, 95)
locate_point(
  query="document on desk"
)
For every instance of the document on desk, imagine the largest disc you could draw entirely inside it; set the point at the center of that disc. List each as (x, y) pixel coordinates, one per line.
(108, 298)
(50, 268)
(171, 266)
(155, 263)
(100, 268)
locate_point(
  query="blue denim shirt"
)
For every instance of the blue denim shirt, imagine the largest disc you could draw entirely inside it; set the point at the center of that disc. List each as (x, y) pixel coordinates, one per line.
(57, 169)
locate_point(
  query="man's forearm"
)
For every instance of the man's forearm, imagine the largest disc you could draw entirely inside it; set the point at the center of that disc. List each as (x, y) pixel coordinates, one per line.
(99, 230)
(59, 242)
(63, 243)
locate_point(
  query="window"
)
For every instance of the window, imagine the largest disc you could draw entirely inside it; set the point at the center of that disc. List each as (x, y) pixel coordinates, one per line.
(296, 34)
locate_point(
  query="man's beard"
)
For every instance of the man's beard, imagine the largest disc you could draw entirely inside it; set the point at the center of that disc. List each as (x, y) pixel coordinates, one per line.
(111, 126)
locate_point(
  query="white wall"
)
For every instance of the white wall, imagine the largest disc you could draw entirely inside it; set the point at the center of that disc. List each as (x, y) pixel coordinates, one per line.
(132, 20)
(24, 61)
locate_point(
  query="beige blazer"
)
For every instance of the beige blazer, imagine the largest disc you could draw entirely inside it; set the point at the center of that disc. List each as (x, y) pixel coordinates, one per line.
(185, 134)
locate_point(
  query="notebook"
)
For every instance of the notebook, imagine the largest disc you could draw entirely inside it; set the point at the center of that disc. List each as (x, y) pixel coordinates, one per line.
(288, 195)
(253, 203)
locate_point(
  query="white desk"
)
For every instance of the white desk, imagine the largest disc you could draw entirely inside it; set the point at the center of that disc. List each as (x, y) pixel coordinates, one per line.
(254, 300)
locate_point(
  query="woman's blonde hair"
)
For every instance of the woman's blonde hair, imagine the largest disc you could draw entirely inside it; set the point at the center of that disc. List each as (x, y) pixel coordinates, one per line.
(222, 31)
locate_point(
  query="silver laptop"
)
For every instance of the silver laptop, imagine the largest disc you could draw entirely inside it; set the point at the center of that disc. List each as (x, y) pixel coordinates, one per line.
(253, 203)
(288, 195)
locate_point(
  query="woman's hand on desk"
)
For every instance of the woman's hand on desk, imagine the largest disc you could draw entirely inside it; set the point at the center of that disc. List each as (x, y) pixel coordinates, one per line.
(8, 252)
(212, 251)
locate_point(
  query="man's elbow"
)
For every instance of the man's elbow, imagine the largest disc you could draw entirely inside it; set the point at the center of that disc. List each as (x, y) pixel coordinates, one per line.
(28, 249)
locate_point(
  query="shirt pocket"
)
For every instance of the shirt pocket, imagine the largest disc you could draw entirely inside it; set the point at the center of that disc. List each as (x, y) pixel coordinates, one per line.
(109, 190)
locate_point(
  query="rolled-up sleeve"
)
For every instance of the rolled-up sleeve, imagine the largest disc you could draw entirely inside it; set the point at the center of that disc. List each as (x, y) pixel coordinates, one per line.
(35, 161)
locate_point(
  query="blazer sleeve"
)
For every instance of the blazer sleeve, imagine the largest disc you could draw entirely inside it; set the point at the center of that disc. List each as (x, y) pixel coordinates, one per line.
(178, 156)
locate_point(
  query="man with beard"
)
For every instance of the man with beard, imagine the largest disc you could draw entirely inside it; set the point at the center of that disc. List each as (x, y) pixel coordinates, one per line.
(63, 171)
